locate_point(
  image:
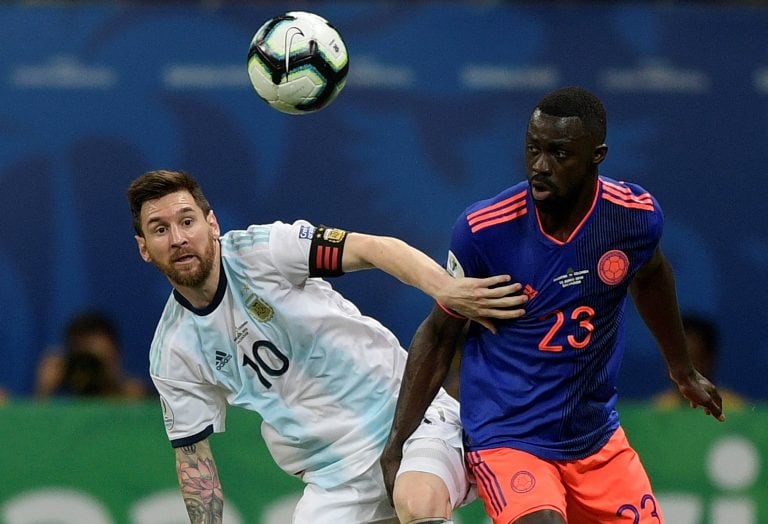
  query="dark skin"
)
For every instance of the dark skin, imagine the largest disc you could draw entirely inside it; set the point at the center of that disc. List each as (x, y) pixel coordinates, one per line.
(562, 160)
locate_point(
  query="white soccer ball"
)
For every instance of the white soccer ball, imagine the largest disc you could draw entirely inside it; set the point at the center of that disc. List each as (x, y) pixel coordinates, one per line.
(298, 62)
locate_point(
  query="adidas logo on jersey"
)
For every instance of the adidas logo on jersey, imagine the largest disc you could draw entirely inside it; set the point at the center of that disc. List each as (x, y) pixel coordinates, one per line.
(222, 359)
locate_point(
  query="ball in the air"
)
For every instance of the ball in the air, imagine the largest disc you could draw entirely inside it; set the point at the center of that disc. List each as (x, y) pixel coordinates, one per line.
(297, 62)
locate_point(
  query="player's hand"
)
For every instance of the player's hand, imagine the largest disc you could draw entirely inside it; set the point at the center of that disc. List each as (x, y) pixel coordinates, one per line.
(484, 299)
(390, 464)
(701, 392)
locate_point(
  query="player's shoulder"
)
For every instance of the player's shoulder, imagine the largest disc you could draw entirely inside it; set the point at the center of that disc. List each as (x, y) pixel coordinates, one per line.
(244, 239)
(260, 234)
(268, 251)
(628, 195)
(504, 207)
(514, 193)
(264, 248)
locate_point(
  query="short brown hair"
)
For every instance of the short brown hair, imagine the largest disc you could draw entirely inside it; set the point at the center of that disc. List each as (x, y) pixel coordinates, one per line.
(156, 184)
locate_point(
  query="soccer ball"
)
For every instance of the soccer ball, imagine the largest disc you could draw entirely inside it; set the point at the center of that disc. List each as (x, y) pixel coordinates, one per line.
(298, 62)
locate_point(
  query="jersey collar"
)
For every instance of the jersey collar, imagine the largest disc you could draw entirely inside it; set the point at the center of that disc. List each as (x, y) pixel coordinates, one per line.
(217, 298)
(598, 189)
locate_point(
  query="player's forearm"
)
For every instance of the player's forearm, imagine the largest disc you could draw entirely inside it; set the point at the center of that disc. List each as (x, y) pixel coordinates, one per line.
(655, 297)
(199, 483)
(429, 361)
(397, 258)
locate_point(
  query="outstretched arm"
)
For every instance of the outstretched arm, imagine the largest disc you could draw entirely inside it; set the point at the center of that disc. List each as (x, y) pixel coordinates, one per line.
(199, 482)
(429, 360)
(653, 291)
(479, 299)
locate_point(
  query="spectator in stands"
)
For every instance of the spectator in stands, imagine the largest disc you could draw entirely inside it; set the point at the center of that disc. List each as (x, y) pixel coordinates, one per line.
(703, 345)
(89, 364)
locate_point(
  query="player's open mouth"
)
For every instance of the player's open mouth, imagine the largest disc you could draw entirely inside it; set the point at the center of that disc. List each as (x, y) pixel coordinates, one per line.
(184, 260)
(540, 191)
(541, 187)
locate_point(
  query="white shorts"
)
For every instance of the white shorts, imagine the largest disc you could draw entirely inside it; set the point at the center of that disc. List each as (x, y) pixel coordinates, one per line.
(435, 447)
(362, 500)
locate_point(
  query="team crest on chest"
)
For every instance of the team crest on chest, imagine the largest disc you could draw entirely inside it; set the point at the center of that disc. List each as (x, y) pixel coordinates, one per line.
(612, 267)
(257, 307)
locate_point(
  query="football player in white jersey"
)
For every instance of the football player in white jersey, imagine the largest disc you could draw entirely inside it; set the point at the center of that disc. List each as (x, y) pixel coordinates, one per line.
(250, 322)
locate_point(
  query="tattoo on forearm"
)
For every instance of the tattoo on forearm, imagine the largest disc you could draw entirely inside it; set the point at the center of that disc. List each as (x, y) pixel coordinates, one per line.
(199, 514)
(200, 485)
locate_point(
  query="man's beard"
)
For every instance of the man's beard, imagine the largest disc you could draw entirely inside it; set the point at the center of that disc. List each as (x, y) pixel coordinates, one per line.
(192, 278)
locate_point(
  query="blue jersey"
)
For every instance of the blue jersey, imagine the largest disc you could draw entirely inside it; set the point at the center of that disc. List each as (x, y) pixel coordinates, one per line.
(546, 383)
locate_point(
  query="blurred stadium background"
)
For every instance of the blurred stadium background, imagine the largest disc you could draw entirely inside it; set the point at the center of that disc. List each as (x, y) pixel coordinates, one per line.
(432, 118)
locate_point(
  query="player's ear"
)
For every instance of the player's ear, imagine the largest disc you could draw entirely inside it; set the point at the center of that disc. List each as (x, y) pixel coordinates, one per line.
(214, 224)
(599, 154)
(141, 243)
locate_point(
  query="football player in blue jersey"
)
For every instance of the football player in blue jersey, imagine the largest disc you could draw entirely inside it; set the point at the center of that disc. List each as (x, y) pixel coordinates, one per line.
(538, 399)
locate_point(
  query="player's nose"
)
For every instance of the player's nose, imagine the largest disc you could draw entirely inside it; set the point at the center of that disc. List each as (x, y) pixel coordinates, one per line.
(177, 236)
(540, 165)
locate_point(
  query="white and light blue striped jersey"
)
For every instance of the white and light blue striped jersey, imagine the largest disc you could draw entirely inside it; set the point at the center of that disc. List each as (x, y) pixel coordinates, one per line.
(323, 377)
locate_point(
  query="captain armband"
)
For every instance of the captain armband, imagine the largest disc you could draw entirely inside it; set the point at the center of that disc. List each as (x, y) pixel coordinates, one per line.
(326, 251)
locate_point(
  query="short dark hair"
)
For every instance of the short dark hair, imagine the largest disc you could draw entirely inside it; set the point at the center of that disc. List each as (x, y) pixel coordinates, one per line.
(156, 184)
(578, 102)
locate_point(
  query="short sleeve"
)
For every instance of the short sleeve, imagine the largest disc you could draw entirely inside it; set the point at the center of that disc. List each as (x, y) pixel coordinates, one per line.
(191, 412)
(652, 224)
(289, 247)
(463, 260)
(302, 250)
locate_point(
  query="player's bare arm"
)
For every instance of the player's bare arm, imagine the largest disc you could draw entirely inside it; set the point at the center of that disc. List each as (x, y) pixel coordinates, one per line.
(479, 299)
(199, 482)
(653, 291)
(429, 361)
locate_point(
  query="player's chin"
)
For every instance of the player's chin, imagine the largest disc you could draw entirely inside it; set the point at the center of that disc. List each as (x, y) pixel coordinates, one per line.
(540, 195)
(545, 202)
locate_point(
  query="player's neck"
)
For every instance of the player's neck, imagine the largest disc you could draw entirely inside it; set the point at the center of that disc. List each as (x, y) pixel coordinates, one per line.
(558, 227)
(202, 295)
(561, 222)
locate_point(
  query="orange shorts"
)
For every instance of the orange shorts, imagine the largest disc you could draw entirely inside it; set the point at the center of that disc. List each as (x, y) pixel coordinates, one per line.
(610, 486)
